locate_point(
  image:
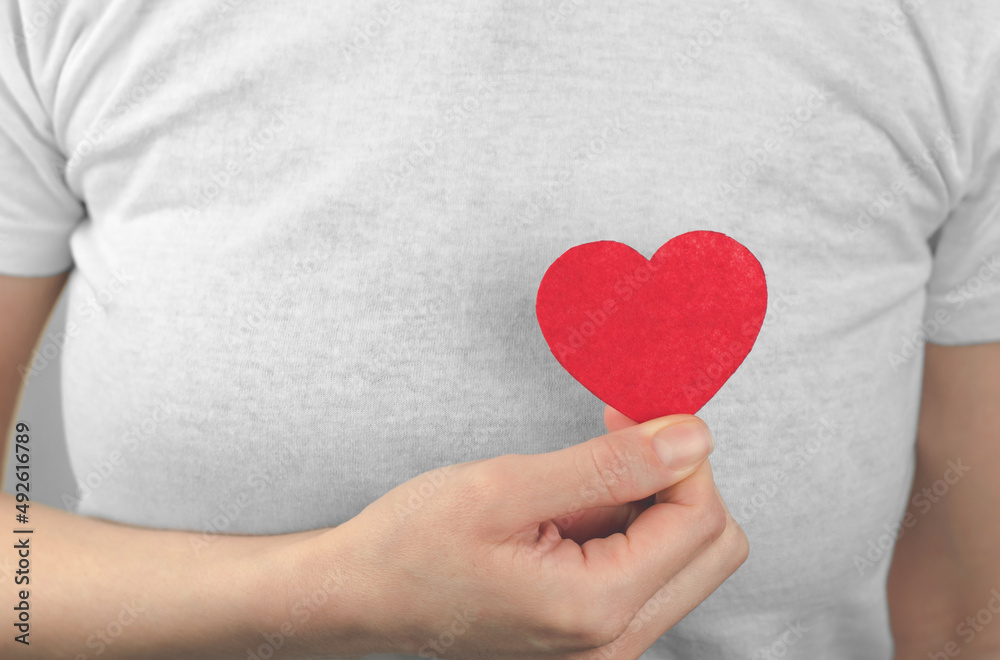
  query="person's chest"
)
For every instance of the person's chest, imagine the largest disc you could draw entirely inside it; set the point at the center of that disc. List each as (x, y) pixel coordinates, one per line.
(335, 236)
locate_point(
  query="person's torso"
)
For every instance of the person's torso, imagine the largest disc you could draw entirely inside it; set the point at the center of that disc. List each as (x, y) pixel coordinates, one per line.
(317, 230)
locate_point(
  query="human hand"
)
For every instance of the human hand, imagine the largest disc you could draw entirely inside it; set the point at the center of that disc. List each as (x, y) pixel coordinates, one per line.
(602, 545)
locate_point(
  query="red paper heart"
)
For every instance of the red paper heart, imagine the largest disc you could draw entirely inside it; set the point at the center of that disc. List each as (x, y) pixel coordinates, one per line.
(653, 337)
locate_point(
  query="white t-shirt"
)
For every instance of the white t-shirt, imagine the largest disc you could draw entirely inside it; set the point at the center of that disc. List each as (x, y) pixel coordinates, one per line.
(306, 240)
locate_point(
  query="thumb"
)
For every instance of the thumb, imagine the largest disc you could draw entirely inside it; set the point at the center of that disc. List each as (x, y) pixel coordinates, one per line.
(624, 466)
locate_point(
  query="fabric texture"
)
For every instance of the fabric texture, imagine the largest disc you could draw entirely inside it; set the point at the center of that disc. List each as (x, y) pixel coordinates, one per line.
(306, 239)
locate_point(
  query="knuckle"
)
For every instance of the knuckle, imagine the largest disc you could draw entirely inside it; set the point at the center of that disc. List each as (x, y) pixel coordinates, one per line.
(611, 467)
(601, 633)
(482, 482)
(735, 545)
(581, 625)
(711, 520)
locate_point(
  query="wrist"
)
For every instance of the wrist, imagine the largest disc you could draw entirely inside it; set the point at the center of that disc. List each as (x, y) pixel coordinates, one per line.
(326, 598)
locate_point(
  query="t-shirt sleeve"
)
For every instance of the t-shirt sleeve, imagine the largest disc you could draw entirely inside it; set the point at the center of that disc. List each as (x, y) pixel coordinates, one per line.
(963, 303)
(38, 211)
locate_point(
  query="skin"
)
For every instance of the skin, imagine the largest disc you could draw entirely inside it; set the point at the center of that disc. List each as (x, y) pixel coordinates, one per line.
(563, 556)
(216, 602)
(947, 562)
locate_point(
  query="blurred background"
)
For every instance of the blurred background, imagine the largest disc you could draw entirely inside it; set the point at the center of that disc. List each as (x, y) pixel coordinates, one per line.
(41, 409)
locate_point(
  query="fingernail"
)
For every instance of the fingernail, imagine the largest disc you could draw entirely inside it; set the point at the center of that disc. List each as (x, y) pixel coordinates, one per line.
(684, 444)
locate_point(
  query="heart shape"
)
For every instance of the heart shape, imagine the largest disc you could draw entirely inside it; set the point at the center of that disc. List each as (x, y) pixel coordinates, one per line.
(659, 336)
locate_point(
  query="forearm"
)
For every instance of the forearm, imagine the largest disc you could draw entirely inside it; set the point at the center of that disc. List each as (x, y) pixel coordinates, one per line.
(938, 602)
(944, 582)
(97, 588)
(930, 591)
